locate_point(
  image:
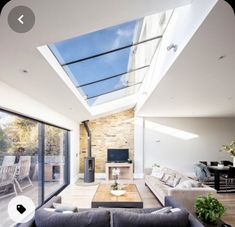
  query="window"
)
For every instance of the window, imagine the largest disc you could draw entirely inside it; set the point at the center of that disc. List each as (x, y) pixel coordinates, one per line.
(111, 63)
(25, 145)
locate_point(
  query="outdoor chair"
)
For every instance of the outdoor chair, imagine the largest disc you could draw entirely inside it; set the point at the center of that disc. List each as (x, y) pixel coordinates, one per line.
(8, 160)
(7, 177)
(23, 172)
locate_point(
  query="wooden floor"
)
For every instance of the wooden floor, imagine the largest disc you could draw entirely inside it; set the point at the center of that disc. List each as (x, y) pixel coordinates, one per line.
(228, 200)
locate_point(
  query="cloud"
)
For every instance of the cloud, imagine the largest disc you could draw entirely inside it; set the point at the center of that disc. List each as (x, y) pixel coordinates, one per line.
(122, 34)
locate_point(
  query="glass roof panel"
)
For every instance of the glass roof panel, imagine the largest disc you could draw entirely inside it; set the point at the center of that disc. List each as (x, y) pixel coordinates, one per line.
(99, 67)
(114, 95)
(113, 84)
(95, 43)
(111, 63)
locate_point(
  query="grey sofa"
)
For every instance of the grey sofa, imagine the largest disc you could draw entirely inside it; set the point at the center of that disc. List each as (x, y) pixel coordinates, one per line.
(115, 217)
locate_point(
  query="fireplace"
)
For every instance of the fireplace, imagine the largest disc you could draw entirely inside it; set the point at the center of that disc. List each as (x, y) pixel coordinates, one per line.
(89, 165)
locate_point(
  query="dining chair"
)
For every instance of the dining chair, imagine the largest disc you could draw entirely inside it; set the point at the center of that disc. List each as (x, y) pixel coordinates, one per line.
(229, 177)
(23, 172)
(226, 163)
(8, 160)
(214, 163)
(203, 162)
(7, 178)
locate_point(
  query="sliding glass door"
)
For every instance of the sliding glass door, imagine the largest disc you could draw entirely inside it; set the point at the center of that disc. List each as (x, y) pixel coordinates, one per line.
(54, 159)
(33, 160)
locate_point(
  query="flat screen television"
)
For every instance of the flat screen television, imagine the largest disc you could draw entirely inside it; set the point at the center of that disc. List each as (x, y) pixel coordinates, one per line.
(118, 155)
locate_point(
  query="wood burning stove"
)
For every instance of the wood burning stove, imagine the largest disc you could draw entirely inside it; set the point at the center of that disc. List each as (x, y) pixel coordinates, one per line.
(89, 165)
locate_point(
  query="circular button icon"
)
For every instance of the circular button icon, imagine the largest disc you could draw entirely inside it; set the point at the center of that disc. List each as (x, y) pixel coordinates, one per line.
(21, 209)
(21, 19)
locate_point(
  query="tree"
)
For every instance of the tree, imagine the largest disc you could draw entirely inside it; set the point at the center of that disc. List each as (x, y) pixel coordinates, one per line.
(3, 141)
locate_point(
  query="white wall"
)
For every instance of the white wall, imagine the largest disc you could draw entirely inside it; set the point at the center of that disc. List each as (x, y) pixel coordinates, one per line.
(181, 154)
(182, 26)
(138, 147)
(13, 100)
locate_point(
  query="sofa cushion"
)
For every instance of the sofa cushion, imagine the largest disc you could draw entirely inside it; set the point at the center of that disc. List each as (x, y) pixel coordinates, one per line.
(157, 172)
(98, 218)
(176, 219)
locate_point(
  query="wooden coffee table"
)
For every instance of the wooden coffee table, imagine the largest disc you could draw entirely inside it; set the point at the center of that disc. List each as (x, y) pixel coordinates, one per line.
(104, 198)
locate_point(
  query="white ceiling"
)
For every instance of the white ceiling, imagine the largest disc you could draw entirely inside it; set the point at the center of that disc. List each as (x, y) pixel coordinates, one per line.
(55, 21)
(198, 84)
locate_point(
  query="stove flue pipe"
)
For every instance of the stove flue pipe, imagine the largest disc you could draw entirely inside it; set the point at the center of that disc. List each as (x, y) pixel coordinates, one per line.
(85, 123)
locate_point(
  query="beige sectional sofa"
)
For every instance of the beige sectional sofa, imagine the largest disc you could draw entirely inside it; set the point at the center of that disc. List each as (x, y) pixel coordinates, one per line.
(185, 195)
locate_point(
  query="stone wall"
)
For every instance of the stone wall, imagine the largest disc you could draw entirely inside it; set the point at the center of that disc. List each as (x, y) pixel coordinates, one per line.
(114, 131)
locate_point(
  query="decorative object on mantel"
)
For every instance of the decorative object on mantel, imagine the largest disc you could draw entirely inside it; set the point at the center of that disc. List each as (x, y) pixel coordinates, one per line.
(230, 149)
(209, 209)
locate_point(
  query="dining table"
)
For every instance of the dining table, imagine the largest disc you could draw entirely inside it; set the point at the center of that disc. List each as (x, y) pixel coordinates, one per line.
(218, 171)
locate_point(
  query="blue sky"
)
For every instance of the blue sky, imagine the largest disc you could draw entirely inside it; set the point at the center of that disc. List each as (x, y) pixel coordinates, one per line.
(100, 67)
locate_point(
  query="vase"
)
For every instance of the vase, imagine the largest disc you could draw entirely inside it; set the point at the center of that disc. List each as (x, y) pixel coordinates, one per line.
(233, 161)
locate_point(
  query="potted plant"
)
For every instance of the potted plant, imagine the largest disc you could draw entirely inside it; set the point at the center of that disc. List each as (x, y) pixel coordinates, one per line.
(115, 189)
(230, 149)
(209, 209)
(115, 174)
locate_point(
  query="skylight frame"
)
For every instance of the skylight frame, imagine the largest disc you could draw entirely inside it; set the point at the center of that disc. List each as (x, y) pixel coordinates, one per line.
(153, 25)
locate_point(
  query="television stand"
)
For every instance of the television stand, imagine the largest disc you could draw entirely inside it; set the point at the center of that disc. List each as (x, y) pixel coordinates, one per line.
(126, 170)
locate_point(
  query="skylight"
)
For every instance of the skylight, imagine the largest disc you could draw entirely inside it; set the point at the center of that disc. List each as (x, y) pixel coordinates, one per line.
(111, 63)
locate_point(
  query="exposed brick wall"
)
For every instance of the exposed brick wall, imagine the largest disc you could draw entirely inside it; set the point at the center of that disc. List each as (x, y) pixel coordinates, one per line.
(114, 131)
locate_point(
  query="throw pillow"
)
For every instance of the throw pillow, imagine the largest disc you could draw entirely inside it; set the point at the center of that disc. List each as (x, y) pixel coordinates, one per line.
(166, 176)
(163, 210)
(158, 175)
(156, 171)
(175, 209)
(49, 209)
(176, 181)
(170, 181)
(60, 207)
(176, 219)
(189, 184)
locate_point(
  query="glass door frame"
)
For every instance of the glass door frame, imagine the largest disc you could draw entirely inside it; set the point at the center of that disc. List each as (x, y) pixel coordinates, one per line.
(41, 148)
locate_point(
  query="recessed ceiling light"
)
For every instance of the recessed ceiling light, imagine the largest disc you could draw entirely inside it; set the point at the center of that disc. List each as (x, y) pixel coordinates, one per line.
(25, 71)
(221, 57)
(230, 98)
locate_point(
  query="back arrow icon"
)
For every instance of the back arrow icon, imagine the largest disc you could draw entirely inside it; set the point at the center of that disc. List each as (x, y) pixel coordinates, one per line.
(20, 19)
